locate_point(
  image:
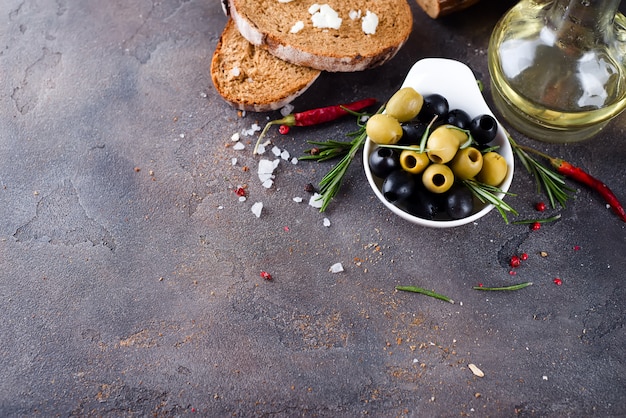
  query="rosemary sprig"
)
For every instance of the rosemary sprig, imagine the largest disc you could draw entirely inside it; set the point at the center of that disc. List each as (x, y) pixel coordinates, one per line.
(540, 220)
(331, 182)
(488, 194)
(550, 181)
(513, 287)
(326, 150)
(426, 292)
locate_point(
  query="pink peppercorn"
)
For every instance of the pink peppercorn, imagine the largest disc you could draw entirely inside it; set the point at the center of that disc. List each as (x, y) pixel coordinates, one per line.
(558, 281)
(536, 226)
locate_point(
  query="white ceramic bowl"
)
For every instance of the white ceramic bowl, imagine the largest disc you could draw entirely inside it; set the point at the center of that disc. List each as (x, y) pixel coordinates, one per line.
(457, 83)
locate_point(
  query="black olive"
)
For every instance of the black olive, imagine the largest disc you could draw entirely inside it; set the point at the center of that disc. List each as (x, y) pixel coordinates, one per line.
(399, 186)
(424, 204)
(459, 202)
(434, 105)
(483, 129)
(383, 161)
(458, 118)
(412, 133)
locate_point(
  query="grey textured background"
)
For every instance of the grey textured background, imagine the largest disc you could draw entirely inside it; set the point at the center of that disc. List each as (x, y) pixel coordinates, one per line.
(130, 273)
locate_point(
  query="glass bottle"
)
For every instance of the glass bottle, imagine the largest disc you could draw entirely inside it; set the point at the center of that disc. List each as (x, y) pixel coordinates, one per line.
(558, 67)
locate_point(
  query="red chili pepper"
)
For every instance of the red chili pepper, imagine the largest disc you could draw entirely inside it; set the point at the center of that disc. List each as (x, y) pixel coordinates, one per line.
(581, 176)
(317, 116)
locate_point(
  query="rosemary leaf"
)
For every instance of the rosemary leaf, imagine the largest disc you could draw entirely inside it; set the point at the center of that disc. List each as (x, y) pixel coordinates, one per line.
(551, 182)
(488, 194)
(426, 292)
(513, 287)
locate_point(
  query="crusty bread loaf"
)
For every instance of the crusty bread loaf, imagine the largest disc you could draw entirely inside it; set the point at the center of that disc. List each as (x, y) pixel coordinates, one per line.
(252, 79)
(348, 48)
(440, 8)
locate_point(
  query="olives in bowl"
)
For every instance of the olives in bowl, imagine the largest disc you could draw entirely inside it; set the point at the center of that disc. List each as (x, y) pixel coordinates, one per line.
(419, 165)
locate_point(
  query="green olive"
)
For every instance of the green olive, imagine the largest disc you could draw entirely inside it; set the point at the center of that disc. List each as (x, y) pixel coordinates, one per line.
(443, 143)
(405, 104)
(494, 169)
(438, 178)
(413, 161)
(383, 129)
(466, 163)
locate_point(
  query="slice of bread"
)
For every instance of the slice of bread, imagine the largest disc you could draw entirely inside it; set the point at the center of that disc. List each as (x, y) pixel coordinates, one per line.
(250, 78)
(348, 48)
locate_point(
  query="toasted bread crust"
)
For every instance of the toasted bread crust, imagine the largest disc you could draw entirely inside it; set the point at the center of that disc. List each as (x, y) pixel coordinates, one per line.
(268, 23)
(250, 78)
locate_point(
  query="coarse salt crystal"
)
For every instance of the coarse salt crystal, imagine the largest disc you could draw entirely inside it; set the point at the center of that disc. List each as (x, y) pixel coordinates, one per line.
(286, 110)
(325, 17)
(266, 169)
(239, 146)
(314, 8)
(297, 27)
(476, 370)
(253, 129)
(260, 149)
(235, 137)
(354, 14)
(235, 72)
(326, 222)
(257, 208)
(233, 161)
(316, 200)
(369, 23)
(336, 268)
(276, 151)
(268, 183)
(242, 198)
(297, 199)
(285, 155)
(294, 161)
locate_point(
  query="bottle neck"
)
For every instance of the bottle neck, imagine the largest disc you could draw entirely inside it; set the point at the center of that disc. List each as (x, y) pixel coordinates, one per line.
(576, 21)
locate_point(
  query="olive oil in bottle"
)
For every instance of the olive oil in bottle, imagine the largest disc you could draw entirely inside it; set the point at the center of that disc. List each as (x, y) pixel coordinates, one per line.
(557, 67)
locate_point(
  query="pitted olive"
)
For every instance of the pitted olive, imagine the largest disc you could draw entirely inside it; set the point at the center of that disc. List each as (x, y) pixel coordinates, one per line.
(438, 178)
(405, 104)
(467, 163)
(483, 129)
(434, 105)
(494, 169)
(399, 186)
(383, 161)
(443, 143)
(458, 118)
(413, 161)
(383, 129)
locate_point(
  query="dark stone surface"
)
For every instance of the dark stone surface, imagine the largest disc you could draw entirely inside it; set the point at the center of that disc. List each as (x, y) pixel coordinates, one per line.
(130, 280)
